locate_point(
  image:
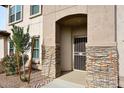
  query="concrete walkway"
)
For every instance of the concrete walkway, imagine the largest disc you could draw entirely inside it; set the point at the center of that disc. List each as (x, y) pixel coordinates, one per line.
(74, 79)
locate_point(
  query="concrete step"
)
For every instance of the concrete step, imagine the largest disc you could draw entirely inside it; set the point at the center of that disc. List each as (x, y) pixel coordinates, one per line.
(121, 81)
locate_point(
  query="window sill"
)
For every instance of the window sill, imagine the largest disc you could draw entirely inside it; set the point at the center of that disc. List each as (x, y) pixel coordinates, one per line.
(15, 22)
(36, 60)
(35, 15)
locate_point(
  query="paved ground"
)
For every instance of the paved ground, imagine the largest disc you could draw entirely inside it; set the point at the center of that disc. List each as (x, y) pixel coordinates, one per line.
(14, 81)
(59, 83)
(74, 79)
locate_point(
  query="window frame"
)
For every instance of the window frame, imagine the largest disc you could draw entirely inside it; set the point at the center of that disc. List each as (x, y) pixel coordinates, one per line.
(15, 13)
(13, 48)
(37, 14)
(35, 48)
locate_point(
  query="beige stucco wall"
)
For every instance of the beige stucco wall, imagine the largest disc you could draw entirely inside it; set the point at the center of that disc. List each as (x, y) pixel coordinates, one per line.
(101, 25)
(79, 31)
(120, 38)
(66, 49)
(55, 13)
(6, 46)
(1, 47)
(35, 24)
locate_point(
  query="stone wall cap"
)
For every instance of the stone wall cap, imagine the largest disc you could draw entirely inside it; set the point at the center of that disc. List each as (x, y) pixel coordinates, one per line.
(103, 44)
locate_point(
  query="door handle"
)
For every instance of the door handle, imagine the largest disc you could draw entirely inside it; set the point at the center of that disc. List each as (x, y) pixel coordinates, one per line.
(80, 53)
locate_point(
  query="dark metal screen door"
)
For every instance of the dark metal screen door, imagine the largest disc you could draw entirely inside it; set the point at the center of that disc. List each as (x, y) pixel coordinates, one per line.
(80, 53)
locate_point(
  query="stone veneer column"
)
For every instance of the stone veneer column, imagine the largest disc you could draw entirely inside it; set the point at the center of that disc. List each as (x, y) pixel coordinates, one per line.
(102, 67)
(48, 61)
(51, 61)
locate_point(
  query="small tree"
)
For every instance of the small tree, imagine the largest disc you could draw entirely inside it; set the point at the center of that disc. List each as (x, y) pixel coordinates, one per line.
(22, 43)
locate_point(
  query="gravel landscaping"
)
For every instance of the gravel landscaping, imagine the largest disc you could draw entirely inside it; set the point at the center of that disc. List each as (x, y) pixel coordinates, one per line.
(13, 81)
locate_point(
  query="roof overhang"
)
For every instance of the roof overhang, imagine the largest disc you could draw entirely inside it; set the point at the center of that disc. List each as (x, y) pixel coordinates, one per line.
(4, 33)
(5, 6)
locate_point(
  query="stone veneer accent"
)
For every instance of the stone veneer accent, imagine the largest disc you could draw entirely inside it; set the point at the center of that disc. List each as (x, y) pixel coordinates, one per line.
(102, 67)
(48, 58)
(51, 60)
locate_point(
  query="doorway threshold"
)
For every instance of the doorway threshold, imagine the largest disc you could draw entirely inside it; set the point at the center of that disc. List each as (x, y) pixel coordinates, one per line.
(76, 76)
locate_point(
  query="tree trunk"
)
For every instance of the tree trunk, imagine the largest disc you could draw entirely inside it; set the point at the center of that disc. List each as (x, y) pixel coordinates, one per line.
(23, 65)
(18, 64)
(30, 66)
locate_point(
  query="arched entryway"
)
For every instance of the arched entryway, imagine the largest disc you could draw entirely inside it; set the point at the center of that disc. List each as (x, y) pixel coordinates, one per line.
(71, 38)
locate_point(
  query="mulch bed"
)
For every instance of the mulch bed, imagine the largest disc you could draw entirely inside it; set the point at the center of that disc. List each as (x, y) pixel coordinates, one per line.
(13, 81)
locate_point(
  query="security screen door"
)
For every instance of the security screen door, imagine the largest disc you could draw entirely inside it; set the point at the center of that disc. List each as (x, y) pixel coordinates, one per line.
(80, 53)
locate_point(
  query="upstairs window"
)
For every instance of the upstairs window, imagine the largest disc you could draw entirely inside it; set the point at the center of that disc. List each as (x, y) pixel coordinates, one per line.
(15, 13)
(35, 10)
(12, 14)
(18, 12)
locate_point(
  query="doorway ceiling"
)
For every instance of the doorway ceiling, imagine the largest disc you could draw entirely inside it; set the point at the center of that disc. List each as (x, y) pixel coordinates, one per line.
(74, 20)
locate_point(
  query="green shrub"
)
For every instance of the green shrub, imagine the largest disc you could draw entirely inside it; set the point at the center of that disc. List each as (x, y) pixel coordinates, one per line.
(9, 63)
